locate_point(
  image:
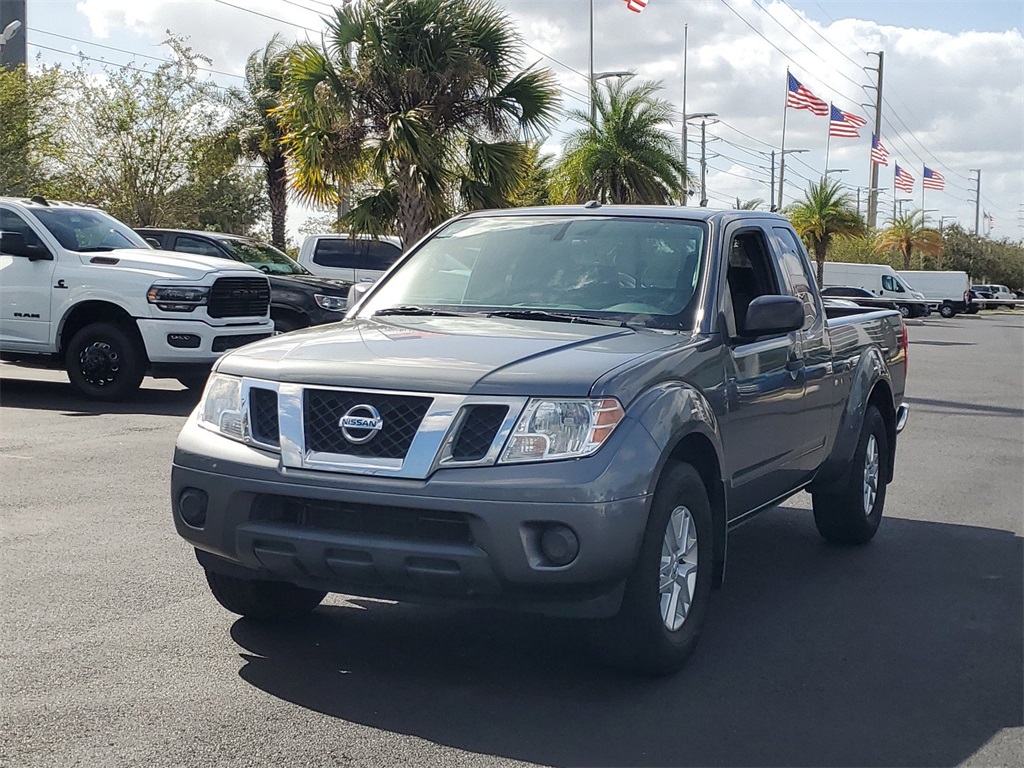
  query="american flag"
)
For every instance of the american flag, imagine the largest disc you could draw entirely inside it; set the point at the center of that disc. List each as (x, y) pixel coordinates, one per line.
(903, 181)
(879, 154)
(799, 97)
(932, 179)
(991, 220)
(636, 5)
(844, 124)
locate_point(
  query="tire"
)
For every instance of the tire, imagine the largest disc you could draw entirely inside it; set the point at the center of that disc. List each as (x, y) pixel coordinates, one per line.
(105, 361)
(947, 311)
(650, 635)
(263, 600)
(852, 517)
(195, 382)
(905, 311)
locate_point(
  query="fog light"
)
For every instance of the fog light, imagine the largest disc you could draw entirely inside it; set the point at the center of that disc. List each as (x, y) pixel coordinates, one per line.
(559, 544)
(192, 507)
(183, 340)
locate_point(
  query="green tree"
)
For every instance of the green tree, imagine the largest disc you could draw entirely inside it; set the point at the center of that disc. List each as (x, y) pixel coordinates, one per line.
(29, 107)
(907, 233)
(425, 98)
(536, 189)
(749, 205)
(258, 125)
(826, 213)
(623, 154)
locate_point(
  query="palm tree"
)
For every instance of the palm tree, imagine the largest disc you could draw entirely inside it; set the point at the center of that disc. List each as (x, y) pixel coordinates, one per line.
(423, 98)
(825, 213)
(907, 233)
(622, 155)
(259, 129)
(749, 205)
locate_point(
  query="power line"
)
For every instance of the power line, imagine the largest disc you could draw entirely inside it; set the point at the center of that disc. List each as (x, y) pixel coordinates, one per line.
(266, 16)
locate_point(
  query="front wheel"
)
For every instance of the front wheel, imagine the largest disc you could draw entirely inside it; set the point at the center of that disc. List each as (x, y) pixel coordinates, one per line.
(105, 361)
(667, 595)
(905, 311)
(263, 600)
(853, 515)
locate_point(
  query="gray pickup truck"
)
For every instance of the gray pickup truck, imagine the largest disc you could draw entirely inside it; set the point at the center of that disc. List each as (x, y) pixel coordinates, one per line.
(561, 410)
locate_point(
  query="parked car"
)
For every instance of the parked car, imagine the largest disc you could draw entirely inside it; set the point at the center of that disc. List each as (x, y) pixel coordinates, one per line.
(297, 298)
(880, 280)
(993, 293)
(559, 409)
(949, 288)
(81, 290)
(354, 258)
(859, 296)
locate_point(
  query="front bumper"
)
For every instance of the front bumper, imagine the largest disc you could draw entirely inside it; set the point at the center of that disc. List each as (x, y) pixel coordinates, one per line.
(451, 538)
(204, 342)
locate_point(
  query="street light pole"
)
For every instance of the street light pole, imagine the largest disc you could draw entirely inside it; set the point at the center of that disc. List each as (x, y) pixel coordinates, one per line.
(703, 116)
(782, 169)
(591, 83)
(684, 186)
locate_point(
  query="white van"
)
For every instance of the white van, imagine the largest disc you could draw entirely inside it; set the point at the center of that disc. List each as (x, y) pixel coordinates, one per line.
(355, 258)
(882, 280)
(952, 290)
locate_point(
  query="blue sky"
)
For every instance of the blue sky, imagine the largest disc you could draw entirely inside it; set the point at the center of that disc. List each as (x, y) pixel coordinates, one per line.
(954, 74)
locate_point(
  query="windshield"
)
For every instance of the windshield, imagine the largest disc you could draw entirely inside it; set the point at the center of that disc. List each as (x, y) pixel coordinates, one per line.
(638, 270)
(86, 229)
(264, 257)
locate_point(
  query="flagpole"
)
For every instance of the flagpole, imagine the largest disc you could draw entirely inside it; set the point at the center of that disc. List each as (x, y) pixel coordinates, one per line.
(782, 154)
(590, 81)
(686, 166)
(828, 138)
(922, 191)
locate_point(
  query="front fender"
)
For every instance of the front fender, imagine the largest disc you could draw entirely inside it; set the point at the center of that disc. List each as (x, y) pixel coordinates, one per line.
(868, 371)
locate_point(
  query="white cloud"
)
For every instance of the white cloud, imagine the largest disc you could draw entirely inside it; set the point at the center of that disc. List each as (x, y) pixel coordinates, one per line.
(954, 101)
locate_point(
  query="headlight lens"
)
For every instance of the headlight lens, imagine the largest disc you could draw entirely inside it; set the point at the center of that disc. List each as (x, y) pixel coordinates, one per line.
(221, 407)
(549, 430)
(331, 303)
(178, 298)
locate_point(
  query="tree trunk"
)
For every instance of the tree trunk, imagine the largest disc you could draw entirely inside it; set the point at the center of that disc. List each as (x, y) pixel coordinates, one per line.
(413, 207)
(277, 191)
(907, 251)
(820, 250)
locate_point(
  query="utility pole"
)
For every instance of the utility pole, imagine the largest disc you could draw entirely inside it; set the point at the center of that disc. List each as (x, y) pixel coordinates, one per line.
(685, 190)
(13, 34)
(772, 185)
(873, 192)
(977, 198)
(590, 72)
(703, 165)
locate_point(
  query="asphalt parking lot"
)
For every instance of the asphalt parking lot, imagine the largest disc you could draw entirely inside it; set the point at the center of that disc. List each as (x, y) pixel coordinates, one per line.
(904, 652)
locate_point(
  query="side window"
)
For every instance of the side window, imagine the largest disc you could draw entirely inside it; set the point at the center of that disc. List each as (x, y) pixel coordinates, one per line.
(794, 267)
(380, 255)
(750, 273)
(890, 283)
(12, 222)
(338, 252)
(188, 244)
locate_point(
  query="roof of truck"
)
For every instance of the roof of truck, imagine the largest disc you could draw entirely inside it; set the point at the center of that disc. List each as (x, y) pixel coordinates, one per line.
(594, 208)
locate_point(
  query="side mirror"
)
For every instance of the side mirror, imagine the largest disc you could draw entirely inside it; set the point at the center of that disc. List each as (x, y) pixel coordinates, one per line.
(773, 315)
(357, 291)
(14, 244)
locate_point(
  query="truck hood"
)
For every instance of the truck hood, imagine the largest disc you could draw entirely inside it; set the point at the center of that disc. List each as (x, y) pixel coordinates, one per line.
(165, 265)
(333, 285)
(472, 355)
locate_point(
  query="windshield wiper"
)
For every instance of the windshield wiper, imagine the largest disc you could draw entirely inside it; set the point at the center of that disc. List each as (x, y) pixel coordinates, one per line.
(410, 309)
(557, 317)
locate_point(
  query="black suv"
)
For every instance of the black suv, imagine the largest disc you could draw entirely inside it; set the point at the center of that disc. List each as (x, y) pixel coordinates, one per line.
(860, 296)
(297, 297)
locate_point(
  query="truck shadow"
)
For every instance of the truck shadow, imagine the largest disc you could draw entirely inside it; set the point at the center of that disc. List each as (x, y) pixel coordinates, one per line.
(61, 396)
(907, 651)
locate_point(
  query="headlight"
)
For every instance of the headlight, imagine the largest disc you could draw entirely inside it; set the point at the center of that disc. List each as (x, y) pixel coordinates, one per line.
(221, 407)
(562, 429)
(178, 298)
(331, 303)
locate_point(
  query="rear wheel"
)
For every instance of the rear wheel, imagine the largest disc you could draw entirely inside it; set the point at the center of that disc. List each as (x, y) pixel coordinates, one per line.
(105, 361)
(906, 311)
(667, 594)
(263, 600)
(947, 311)
(853, 515)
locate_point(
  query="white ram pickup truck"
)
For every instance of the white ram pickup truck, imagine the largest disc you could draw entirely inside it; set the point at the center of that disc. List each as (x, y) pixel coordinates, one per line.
(81, 290)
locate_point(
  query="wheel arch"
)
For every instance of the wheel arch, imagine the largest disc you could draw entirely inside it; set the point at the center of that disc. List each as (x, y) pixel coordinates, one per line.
(93, 311)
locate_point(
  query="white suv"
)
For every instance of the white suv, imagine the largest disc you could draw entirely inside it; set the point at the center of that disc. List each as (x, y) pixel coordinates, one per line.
(355, 258)
(79, 287)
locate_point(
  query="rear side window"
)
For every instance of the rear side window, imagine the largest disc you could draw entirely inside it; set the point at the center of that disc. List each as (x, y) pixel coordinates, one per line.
(187, 244)
(348, 253)
(794, 266)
